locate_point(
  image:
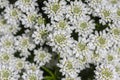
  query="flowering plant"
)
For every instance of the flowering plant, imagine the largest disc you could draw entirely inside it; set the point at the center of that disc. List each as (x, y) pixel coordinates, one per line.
(59, 39)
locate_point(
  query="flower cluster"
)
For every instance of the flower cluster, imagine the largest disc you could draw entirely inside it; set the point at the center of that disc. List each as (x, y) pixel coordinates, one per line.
(58, 39)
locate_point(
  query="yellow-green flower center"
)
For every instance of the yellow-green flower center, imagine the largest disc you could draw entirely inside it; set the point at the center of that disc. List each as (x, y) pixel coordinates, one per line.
(82, 60)
(77, 10)
(40, 20)
(42, 56)
(26, 1)
(25, 42)
(2, 22)
(55, 7)
(106, 73)
(14, 12)
(62, 24)
(95, 55)
(19, 65)
(8, 43)
(114, 1)
(106, 13)
(83, 25)
(31, 18)
(60, 39)
(118, 50)
(96, 1)
(117, 69)
(33, 68)
(5, 74)
(116, 31)
(11, 28)
(81, 46)
(110, 57)
(42, 33)
(69, 65)
(69, 78)
(32, 77)
(5, 57)
(101, 41)
(118, 12)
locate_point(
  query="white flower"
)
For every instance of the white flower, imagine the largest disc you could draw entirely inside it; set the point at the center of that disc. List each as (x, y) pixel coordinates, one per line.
(68, 19)
(117, 68)
(12, 29)
(26, 5)
(95, 3)
(8, 72)
(102, 42)
(67, 51)
(40, 20)
(39, 34)
(59, 39)
(36, 74)
(19, 64)
(84, 26)
(6, 28)
(77, 9)
(97, 58)
(83, 62)
(116, 13)
(116, 49)
(12, 14)
(28, 19)
(42, 57)
(105, 72)
(31, 67)
(6, 58)
(69, 67)
(105, 12)
(4, 3)
(111, 57)
(114, 32)
(3, 25)
(81, 47)
(69, 78)
(62, 24)
(54, 8)
(7, 43)
(23, 44)
(33, 76)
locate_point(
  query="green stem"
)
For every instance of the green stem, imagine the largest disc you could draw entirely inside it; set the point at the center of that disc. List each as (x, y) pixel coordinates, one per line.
(47, 70)
(48, 78)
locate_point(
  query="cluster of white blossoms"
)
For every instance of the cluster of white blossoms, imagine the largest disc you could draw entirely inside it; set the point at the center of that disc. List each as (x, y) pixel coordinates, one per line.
(79, 32)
